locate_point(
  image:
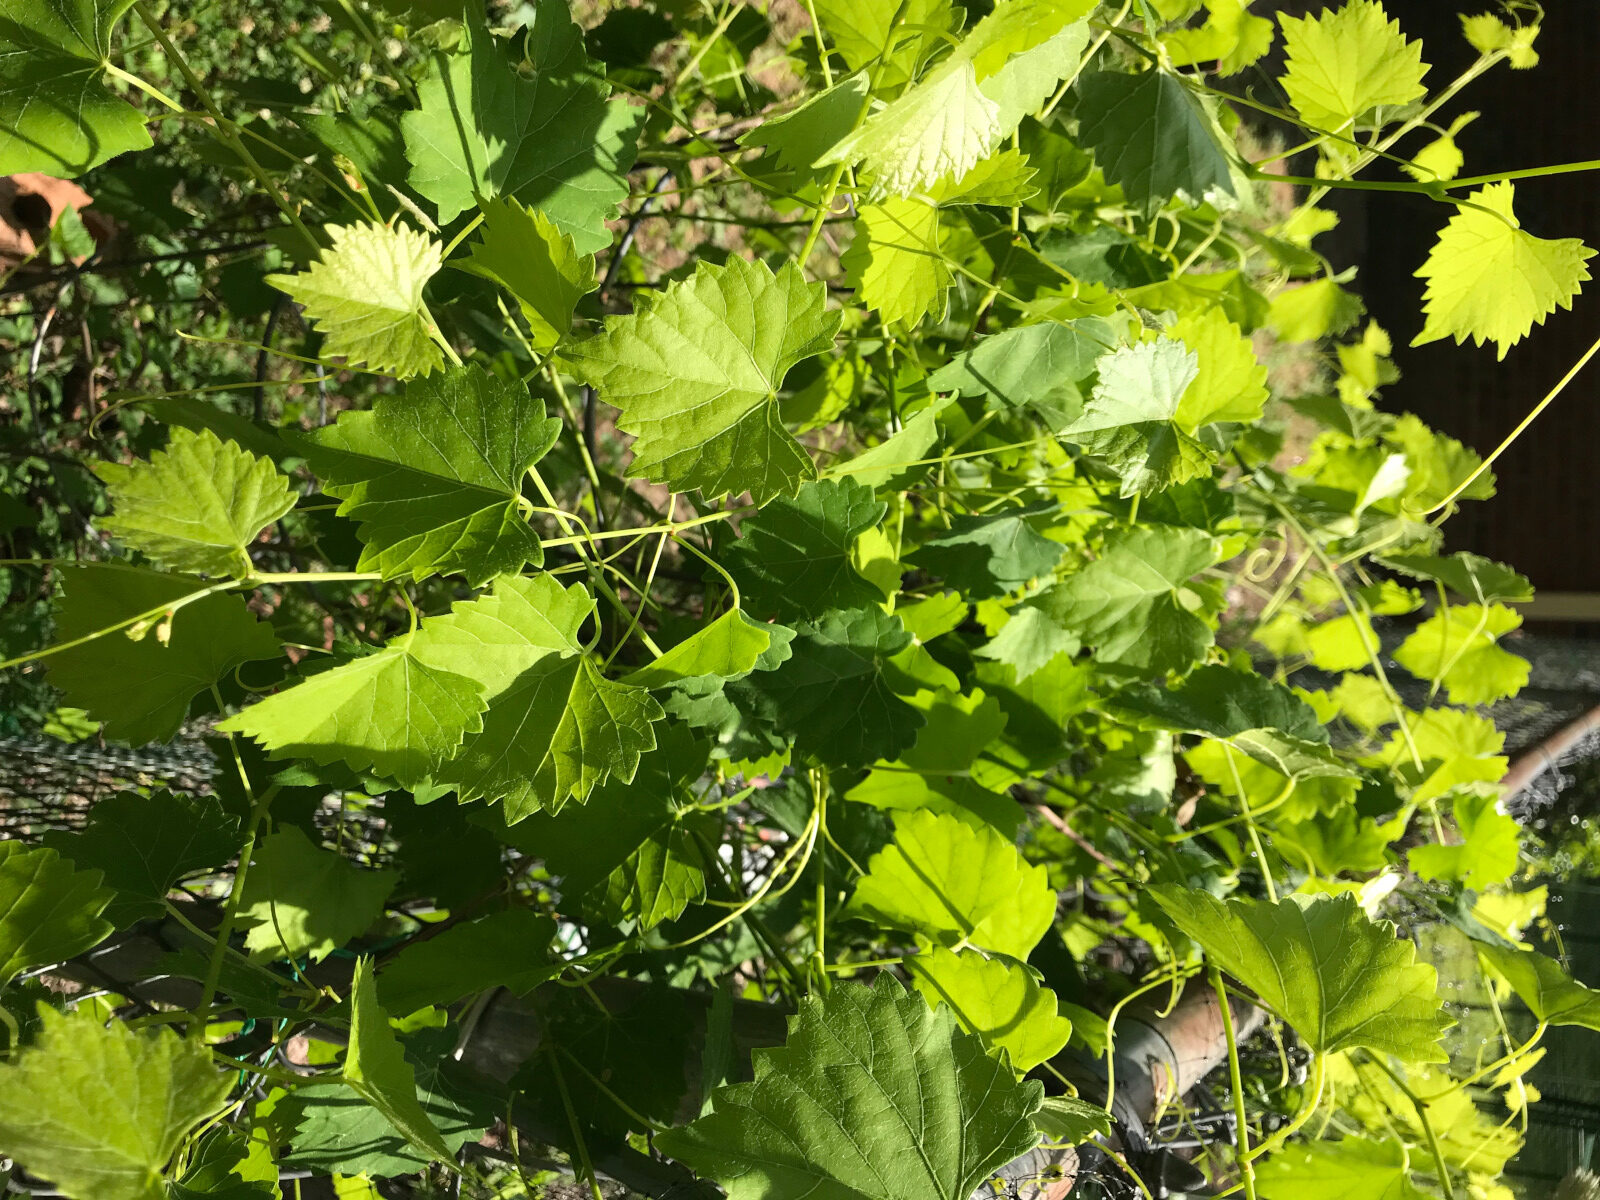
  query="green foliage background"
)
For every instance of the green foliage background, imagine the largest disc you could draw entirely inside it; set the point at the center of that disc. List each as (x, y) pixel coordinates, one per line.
(875, 510)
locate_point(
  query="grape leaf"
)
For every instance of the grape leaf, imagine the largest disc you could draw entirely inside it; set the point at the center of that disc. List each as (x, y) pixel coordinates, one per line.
(1154, 137)
(988, 555)
(800, 136)
(1489, 850)
(956, 116)
(860, 31)
(375, 1068)
(1128, 604)
(895, 264)
(1065, 1120)
(1373, 1169)
(1491, 280)
(56, 114)
(1000, 1001)
(835, 694)
(1470, 575)
(1230, 383)
(1544, 986)
(1340, 979)
(957, 884)
(143, 844)
(493, 123)
(141, 687)
(1459, 648)
(555, 726)
(794, 556)
(1343, 64)
(1307, 312)
(696, 373)
(728, 648)
(873, 1096)
(364, 293)
(1261, 718)
(508, 949)
(1131, 418)
(1036, 367)
(1489, 35)
(1231, 36)
(197, 505)
(99, 1110)
(435, 475)
(49, 910)
(391, 712)
(524, 251)
(631, 850)
(301, 900)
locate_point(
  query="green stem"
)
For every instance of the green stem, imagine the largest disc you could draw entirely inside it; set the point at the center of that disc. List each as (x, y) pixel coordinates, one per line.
(1421, 1107)
(226, 130)
(1235, 1084)
(230, 911)
(581, 1147)
(1319, 1080)
(144, 86)
(1533, 415)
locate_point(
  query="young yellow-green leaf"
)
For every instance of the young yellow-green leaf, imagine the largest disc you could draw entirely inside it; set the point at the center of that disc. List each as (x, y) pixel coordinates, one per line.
(555, 726)
(1488, 34)
(1441, 158)
(1459, 648)
(996, 999)
(895, 264)
(377, 1071)
(526, 253)
(1004, 180)
(1361, 1166)
(390, 713)
(1551, 994)
(794, 556)
(728, 648)
(860, 31)
(508, 949)
(954, 882)
(364, 294)
(1154, 137)
(696, 372)
(197, 505)
(99, 1110)
(1308, 312)
(435, 475)
(1230, 383)
(301, 900)
(1339, 978)
(1343, 64)
(49, 911)
(957, 115)
(873, 1096)
(1489, 850)
(835, 694)
(141, 686)
(56, 114)
(1491, 280)
(527, 118)
(1231, 37)
(1068, 1121)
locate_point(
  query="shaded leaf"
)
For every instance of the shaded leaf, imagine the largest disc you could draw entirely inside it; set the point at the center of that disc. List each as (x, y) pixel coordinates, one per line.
(508, 949)
(49, 910)
(302, 900)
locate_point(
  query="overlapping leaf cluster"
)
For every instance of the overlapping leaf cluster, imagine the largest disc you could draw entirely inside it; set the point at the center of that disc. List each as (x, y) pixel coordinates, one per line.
(901, 609)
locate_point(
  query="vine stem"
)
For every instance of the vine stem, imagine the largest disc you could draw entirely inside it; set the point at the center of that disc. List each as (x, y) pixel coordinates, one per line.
(230, 910)
(578, 1143)
(1522, 426)
(1319, 1081)
(1235, 1084)
(226, 130)
(831, 190)
(1421, 1107)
